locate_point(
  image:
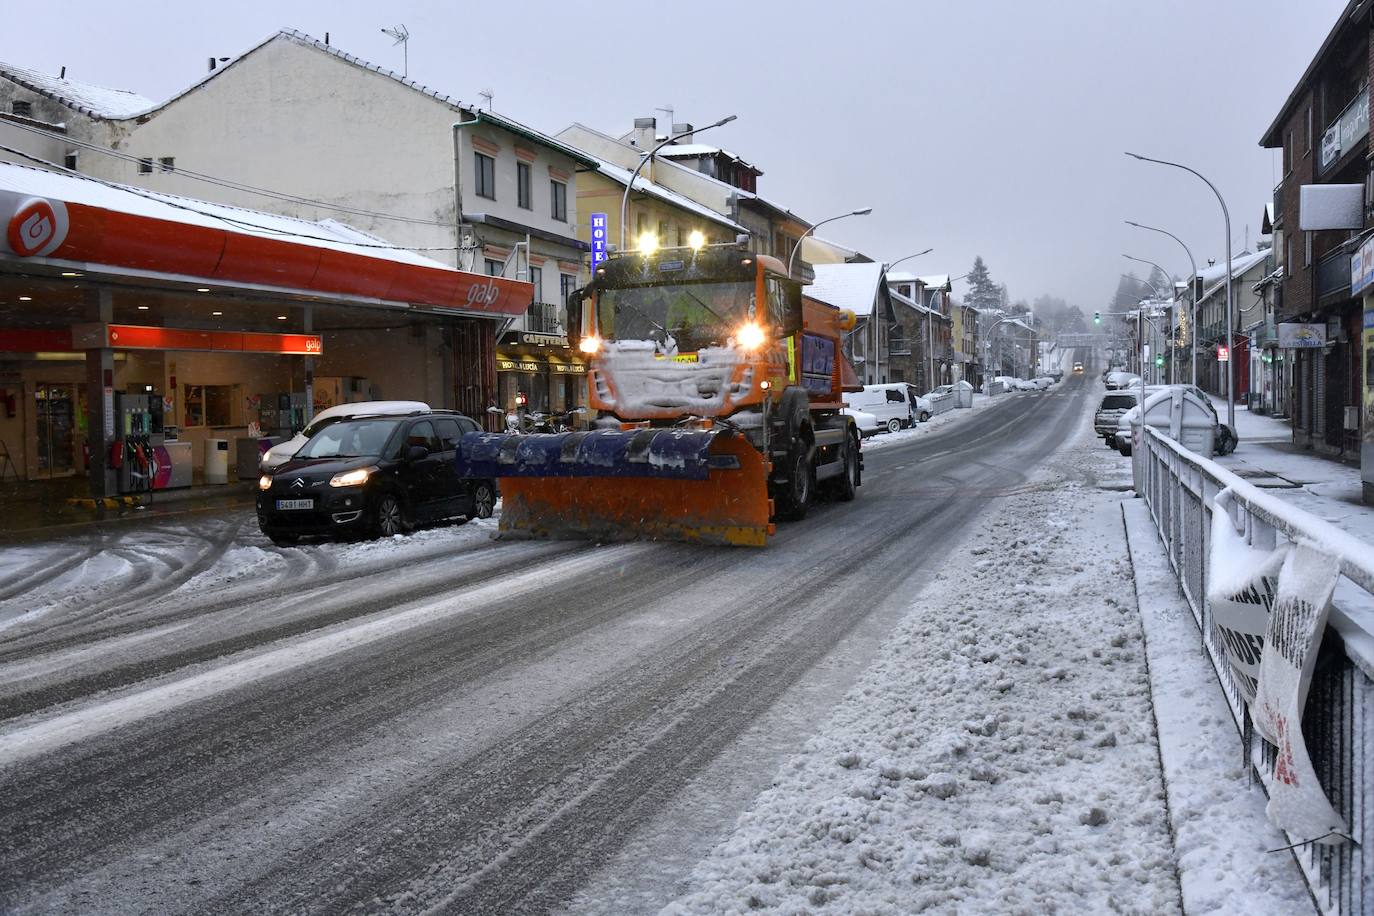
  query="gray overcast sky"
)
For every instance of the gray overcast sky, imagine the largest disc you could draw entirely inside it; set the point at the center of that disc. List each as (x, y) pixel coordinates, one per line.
(993, 128)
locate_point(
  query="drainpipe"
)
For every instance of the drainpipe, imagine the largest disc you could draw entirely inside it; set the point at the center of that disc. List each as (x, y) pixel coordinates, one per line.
(458, 188)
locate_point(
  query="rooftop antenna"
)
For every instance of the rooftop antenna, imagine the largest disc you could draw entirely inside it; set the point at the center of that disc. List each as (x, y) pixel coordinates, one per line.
(488, 95)
(402, 36)
(668, 110)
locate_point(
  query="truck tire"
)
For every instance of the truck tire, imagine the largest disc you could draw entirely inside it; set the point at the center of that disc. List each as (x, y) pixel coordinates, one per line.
(894, 425)
(846, 486)
(796, 493)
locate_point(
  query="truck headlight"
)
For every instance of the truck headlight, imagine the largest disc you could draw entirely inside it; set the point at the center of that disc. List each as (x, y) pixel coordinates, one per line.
(589, 344)
(265, 482)
(750, 336)
(354, 478)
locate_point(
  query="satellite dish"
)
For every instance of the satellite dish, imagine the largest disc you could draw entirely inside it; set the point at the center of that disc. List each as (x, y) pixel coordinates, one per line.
(402, 36)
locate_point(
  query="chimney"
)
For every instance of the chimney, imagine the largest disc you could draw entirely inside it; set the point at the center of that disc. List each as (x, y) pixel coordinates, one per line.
(644, 133)
(63, 74)
(683, 129)
(212, 63)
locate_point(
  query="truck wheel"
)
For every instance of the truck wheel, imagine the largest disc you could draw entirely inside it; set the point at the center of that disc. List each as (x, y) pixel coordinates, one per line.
(847, 484)
(894, 425)
(795, 497)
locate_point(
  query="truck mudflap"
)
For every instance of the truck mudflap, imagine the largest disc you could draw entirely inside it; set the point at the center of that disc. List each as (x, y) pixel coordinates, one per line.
(704, 486)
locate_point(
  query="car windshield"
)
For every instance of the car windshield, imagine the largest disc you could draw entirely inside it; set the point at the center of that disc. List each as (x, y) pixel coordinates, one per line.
(318, 425)
(350, 439)
(693, 315)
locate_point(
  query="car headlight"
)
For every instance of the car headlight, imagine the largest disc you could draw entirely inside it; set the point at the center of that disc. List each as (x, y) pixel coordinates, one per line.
(265, 482)
(354, 478)
(750, 336)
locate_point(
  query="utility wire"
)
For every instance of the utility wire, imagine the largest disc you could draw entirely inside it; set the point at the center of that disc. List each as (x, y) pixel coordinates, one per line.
(230, 183)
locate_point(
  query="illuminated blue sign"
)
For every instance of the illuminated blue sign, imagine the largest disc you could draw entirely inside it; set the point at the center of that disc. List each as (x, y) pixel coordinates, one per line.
(598, 239)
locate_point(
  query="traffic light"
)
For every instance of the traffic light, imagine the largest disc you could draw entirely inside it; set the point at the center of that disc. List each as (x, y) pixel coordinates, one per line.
(1159, 360)
(1097, 317)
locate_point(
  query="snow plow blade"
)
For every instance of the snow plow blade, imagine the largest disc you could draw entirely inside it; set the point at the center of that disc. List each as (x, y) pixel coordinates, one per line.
(707, 487)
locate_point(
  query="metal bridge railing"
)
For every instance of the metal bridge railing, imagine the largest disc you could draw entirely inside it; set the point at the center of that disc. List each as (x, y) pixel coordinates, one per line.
(1338, 722)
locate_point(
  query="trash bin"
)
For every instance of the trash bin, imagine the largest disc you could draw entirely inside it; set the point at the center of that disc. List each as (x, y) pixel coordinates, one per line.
(963, 394)
(1180, 415)
(216, 460)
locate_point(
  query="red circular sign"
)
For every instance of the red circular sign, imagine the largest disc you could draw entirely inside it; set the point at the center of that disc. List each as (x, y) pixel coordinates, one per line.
(33, 227)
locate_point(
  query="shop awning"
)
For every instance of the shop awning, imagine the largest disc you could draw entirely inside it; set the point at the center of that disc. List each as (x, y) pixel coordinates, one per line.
(76, 222)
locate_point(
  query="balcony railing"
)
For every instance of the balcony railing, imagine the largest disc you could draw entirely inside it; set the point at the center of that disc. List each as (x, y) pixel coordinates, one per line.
(1278, 204)
(1333, 274)
(543, 318)
(1346, 131)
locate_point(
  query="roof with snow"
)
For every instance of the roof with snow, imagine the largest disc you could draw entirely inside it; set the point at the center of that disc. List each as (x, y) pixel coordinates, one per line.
(848, 286)
(95, 101)
(739, 192)
(1213, 276)
(912, 303)
(698, 150)
(936, 282)
(643, 185)
(304, 40)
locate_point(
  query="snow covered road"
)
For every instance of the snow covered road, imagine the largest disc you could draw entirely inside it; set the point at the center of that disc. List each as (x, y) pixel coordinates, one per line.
(194, 720)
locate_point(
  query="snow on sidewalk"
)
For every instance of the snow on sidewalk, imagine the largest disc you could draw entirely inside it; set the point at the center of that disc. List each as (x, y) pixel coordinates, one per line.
(1000, 756)
(939, 421)
(1222, 836)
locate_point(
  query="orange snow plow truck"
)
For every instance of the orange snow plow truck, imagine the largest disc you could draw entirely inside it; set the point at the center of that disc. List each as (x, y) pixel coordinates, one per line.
(715, 392)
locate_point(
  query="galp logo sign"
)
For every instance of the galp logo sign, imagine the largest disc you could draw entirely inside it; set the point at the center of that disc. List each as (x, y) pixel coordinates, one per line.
(37, 227)
(483, 294)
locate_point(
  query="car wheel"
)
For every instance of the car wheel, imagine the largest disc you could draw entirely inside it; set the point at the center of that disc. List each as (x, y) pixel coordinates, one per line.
(388, 518)
(483, 499)
(894, 425)
(925, 415)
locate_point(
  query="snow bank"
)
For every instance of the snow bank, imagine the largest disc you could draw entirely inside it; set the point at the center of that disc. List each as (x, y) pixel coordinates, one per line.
(1000, 755)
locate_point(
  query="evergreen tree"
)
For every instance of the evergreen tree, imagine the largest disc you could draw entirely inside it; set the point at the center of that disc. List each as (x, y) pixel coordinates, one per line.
(1161, 283)
(982, 293)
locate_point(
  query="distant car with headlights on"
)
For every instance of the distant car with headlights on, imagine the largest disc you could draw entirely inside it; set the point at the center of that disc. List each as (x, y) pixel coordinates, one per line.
(376, 476)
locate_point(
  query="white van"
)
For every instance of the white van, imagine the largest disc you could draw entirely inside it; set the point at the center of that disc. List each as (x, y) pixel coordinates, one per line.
(891, 403)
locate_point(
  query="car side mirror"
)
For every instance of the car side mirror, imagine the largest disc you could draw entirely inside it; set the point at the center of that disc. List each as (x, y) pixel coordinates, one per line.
(416, 452)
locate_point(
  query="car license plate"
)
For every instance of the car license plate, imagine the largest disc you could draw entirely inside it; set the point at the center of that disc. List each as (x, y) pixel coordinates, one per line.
(295, 504)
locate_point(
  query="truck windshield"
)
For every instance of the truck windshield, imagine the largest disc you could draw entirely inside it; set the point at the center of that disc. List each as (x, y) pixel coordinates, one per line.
(690, 315)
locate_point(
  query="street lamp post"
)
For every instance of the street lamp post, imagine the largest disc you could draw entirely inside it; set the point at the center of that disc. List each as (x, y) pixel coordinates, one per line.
(625, 200)
(1192, 292)
(1230, 304)
(1172, 375)
(873, 320)
(909, 257)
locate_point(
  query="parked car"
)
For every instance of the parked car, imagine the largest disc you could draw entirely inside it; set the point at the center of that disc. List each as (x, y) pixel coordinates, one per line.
(281, 453)
(867, 423)
(1120, 439)
(1056, 374)
(1025, 384)
(375, 474)
(1042, 382)
(1118, 380)
(1009, 382)
(894, 404)
(1114, 404)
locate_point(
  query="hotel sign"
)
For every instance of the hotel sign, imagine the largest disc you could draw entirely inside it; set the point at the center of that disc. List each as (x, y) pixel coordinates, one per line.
(600, 236)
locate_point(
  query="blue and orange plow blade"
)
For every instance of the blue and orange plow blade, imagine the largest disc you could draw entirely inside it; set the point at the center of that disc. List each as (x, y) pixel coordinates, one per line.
(611, 485)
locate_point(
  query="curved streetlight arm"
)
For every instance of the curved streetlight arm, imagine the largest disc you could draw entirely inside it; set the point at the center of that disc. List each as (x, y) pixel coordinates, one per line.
(1192, 291)
(625, 199)
(1230, 280)
(1157, 291)
(909, 257)
(864, 211)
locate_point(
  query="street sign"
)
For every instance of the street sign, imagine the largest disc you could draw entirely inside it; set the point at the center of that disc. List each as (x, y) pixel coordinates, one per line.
(1223, 354)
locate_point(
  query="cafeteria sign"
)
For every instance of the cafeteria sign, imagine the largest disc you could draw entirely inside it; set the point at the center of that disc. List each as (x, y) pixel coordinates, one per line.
(1296, 336)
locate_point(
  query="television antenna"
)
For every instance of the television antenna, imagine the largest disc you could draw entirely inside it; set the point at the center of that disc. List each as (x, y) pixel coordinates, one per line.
(402, 36)
(488, 95)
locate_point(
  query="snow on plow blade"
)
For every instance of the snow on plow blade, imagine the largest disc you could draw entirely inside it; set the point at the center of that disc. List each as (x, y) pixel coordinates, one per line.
(611, 485)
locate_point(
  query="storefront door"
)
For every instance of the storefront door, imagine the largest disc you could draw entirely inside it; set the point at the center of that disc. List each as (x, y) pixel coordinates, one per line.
(55, 415)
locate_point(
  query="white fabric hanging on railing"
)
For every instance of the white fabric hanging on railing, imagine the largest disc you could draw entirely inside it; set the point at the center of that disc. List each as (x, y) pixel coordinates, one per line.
(1297, 802)
(1241, 584)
